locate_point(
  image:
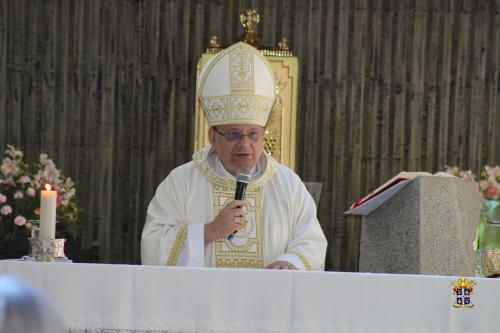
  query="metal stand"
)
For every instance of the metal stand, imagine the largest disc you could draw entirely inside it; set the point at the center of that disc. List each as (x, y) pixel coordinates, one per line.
(47, 250)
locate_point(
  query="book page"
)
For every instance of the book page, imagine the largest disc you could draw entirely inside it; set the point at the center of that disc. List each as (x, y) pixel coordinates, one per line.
(374, 199)
(403, 175)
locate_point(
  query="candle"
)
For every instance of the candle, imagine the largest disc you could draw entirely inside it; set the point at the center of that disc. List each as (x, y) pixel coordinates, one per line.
(48, 200)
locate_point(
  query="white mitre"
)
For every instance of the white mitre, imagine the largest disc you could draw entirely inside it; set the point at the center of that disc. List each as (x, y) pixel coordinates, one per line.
(237, 86)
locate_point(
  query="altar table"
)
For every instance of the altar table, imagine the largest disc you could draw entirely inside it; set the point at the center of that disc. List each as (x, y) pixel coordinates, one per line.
(127, 298)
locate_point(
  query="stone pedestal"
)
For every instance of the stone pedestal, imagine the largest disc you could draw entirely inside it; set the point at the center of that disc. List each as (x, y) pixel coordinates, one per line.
(428, 227)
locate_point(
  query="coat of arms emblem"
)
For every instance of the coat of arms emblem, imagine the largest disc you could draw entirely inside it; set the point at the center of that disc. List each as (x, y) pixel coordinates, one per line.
(463, 289)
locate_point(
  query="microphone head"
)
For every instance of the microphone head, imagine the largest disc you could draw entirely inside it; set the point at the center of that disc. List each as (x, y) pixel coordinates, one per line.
(243, 175)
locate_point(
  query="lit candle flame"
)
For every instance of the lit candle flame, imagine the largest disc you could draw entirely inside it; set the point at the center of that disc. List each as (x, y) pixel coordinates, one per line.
(47, 187)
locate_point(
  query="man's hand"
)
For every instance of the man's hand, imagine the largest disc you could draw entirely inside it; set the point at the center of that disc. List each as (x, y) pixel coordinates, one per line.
(281, 265)
(229, 220)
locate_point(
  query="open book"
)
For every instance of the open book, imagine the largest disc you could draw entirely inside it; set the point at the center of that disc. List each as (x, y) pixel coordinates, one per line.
(367, 204)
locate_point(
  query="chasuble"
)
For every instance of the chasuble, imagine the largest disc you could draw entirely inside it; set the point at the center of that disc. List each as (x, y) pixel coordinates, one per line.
(280, 222)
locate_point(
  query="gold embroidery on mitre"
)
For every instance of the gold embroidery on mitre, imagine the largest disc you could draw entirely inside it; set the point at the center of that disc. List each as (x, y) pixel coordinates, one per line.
(237, 110)
(241, 73)
(239, 104)
(176, 248)
(303, 259)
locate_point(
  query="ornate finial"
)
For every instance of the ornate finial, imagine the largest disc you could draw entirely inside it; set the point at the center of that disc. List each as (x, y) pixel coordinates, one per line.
(249, 18)
(213, 44)
(283, 45)
(270, 141)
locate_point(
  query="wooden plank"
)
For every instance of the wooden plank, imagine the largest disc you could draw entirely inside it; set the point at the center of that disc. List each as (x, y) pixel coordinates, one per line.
(418, 63)
(4, 46)
(400, 79)
(340, 145)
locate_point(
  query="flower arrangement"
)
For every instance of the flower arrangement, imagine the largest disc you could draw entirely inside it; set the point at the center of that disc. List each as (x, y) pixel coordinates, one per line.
(488, 182)
(20, 186)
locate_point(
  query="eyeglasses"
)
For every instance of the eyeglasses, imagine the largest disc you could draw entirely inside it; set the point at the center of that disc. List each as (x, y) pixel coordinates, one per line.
(233, 135)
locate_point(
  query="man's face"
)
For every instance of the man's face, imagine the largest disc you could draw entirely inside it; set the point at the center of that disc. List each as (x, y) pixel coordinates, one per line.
(238, 146)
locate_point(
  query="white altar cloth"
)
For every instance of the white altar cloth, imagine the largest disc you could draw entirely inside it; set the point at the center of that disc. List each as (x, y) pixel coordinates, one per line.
(122, 298)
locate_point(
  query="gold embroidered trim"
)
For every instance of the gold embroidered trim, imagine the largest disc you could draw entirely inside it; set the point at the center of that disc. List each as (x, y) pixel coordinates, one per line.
(176, 249)
(246, 249)
(238, 263)
(304, 260)
(223, 110)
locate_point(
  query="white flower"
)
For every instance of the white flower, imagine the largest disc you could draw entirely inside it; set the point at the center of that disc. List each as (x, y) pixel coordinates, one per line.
(12, 152)
(20, 220)
(452, 170)
(30, 192)
(3, 198)
(70, 193)
(6, 210)
(69, 183)
(44, 158)
(18, 195)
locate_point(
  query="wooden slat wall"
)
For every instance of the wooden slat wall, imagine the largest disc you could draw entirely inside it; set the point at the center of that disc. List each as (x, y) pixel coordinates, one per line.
(107, 88)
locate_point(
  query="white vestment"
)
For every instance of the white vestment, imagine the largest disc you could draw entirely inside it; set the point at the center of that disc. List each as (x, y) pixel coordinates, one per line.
(280, 223)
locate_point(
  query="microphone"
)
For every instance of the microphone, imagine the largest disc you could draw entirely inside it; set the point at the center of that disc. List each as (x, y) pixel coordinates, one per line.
(242, 179)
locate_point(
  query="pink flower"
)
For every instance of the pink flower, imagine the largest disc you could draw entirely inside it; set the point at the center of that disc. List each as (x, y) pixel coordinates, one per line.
(20, 220)
(3, 198)
(51, 173)
(24, 179)
(30, 192)
(467, 175)
(495, 191)
(9, 167)
(9, 182)
(18, 195)
(484, 184)
(6, 210)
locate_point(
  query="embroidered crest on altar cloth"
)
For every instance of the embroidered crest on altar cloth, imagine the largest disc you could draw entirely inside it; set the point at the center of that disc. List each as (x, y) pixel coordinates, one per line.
(462, 291)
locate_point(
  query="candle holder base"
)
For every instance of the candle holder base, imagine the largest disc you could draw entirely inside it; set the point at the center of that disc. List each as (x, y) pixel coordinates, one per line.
(46, 250)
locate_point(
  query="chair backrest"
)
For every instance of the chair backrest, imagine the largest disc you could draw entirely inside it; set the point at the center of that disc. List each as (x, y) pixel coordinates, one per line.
(315, 190)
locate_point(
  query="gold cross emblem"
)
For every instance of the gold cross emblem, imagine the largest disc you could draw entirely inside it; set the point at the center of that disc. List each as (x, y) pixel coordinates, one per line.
(249, 19)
